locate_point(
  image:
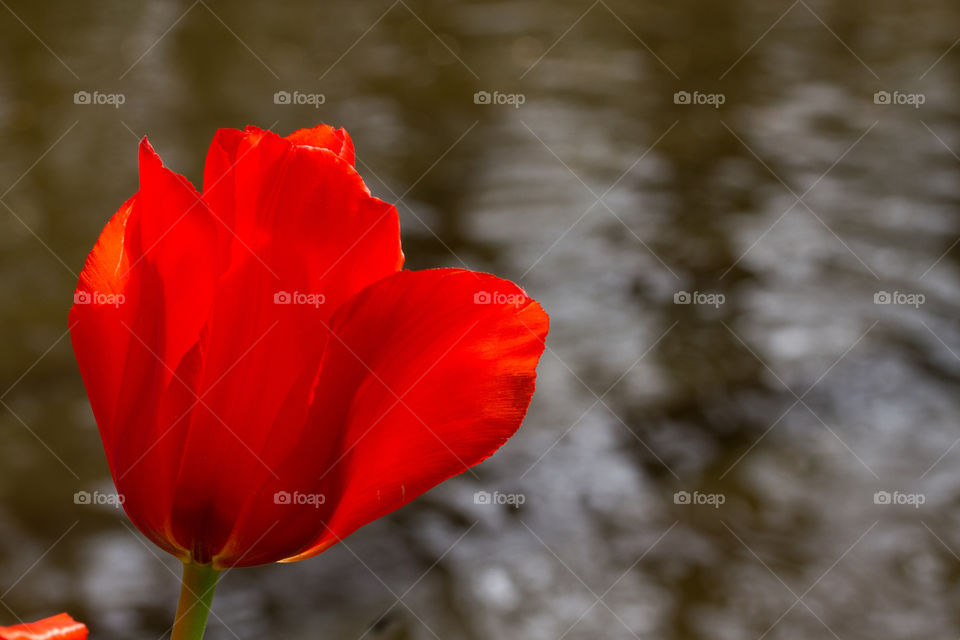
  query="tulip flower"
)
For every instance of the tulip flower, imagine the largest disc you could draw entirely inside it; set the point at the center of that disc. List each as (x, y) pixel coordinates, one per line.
(265, 376)
(59, 627)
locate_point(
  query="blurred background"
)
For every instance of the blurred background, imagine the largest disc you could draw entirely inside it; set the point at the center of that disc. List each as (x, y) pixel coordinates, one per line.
(742, 217)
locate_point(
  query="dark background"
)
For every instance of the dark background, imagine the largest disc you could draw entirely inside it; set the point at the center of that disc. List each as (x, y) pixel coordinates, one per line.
(796, 400)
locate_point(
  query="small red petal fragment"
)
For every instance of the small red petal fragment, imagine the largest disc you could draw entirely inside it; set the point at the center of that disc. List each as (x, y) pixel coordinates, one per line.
(59, 627)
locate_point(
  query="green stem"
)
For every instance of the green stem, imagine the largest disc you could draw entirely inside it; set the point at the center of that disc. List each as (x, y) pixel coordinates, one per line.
(196, 594)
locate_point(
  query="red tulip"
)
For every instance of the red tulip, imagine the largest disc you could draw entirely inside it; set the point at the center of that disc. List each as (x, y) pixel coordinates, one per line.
(265, 377)
(59, 627)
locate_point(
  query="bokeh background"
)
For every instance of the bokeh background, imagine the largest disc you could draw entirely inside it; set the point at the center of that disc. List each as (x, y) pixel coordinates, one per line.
(787, 389)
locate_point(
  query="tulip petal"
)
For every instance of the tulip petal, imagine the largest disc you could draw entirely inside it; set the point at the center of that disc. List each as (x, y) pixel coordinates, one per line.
(299, 213)
(144, 294)
(326, 137)
(300, 234)
(58, 627)
(427, 374)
